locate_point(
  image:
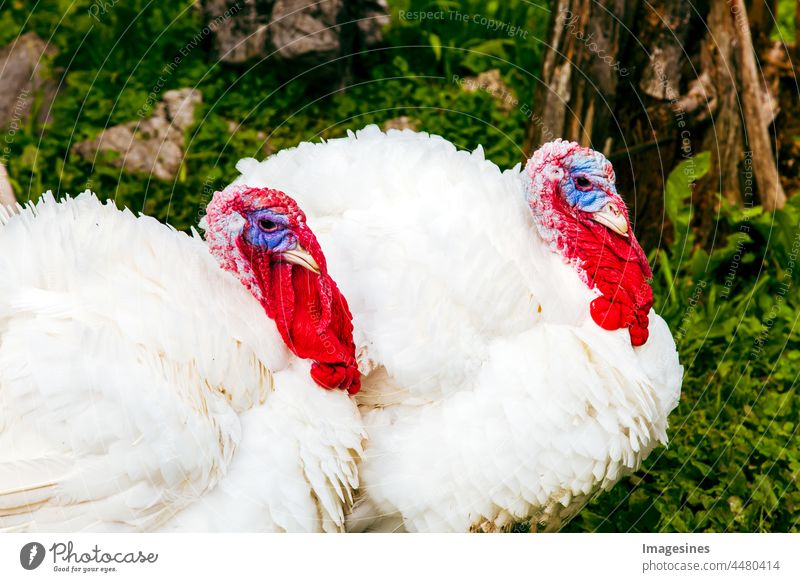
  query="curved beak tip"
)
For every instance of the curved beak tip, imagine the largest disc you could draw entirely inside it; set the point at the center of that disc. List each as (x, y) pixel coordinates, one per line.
(613, 218)
(302, 258)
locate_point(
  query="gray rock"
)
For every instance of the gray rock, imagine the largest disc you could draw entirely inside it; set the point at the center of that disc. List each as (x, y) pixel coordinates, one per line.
(6, 191)
(402, 122)
(240, 28)
(180, 105)
(299, 30)
(154, 145)
(294, 29)
(374, 17)
(24, 74)
(492, 83)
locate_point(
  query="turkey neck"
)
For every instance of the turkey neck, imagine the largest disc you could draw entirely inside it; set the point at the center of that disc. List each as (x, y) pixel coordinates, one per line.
(614, 265)
(292, 300)
(310, 313)
(617, 267)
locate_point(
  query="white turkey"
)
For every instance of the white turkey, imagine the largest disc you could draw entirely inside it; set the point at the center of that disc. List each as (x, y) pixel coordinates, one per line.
(513, 365)
(143, 387)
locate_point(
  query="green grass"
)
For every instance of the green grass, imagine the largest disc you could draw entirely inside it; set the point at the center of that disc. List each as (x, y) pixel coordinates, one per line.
(784, 22)
(112, 63)
(733, 463)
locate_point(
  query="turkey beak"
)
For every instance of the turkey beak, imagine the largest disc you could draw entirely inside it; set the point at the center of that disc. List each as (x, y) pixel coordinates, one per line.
(611, 217)
(301, 257)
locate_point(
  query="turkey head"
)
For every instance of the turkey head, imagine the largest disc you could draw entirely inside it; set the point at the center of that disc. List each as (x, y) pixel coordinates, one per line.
(262, 237)
(578, 212)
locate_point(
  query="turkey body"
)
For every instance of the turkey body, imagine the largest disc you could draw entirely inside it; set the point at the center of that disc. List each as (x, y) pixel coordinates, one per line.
(490, 397)
(144, 388)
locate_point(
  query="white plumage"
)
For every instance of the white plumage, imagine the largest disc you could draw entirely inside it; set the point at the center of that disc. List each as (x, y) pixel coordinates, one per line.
(490, 397)
(143, 388)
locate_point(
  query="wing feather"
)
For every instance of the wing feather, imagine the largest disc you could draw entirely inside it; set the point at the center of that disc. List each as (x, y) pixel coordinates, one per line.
(121, 380)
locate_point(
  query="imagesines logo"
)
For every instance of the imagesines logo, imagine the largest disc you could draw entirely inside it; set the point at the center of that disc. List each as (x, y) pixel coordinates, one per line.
(31, 555)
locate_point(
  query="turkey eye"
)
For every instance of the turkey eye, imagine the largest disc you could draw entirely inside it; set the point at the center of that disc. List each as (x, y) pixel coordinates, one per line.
(267, 225)
(582, 183)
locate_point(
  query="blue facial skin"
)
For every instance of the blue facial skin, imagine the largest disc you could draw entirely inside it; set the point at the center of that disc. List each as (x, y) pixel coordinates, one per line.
(591, 198)
(270, 230)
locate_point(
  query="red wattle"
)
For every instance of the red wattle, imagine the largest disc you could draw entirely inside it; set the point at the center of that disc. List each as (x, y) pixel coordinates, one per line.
(337, 376)
(315, 322)
(617, 267)
(607, 314)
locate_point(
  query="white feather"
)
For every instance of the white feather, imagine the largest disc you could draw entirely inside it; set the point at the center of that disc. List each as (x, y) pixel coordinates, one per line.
(491, 396)
(142, 387)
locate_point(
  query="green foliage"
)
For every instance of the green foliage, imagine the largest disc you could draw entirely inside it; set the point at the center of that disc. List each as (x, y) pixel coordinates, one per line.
(733, 462)
(8, 27)
(116, 54)
(784, 22)
(678, 195)
(471, 36)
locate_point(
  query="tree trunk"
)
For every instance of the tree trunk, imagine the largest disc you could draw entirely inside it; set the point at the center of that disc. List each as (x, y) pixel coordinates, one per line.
(755, 117)
(762, 15)
(717, 58)
(659, 81)
(580, 75)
